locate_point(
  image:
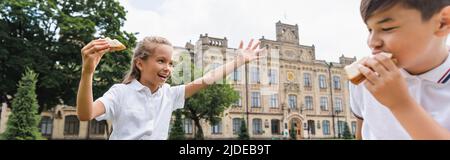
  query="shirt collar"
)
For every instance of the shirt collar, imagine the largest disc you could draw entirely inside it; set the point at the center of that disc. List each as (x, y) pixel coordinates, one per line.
(136, 85)
(440, 74)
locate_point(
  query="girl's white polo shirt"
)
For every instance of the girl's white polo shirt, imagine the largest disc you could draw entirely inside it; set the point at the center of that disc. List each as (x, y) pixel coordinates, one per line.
(138, 114)
(431, 90)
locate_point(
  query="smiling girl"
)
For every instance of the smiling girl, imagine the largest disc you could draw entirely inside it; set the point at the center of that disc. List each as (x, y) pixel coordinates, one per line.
(141, 106)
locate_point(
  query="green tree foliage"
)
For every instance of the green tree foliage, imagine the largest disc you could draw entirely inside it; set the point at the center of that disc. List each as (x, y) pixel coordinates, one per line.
(346, 134)
(243, 132)
(208, 104)
(293, 132)
(24, 119)
(177, 133)
(47, 36)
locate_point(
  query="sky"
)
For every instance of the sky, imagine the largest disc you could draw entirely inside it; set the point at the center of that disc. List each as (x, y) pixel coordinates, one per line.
(333, 26)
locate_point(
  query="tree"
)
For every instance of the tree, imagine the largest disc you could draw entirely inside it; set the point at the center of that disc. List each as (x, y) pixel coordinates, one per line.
(207, 104)
(177, 133)
(24, 119)
(293, 133)
(243, 132)
(47, 36)
(346, 134)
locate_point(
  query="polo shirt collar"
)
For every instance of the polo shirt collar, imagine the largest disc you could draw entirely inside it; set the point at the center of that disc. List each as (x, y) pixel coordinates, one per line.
(136, 85)
(439, 75)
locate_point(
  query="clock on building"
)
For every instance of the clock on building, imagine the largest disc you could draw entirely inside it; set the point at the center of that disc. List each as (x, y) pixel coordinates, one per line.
(290, 76)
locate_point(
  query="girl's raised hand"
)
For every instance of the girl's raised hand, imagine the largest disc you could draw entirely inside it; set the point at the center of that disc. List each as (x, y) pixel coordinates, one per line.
(252, 52)
(92, 53)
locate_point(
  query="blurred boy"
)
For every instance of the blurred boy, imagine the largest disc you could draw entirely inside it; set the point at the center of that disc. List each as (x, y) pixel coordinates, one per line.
(410, 99)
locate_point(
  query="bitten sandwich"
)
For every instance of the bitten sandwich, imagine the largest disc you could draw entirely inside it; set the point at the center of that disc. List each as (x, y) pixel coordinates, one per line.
(352, 70)
(115, 44)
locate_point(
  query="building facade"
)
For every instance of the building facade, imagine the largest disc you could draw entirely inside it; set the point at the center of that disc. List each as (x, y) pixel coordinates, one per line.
(289, 91)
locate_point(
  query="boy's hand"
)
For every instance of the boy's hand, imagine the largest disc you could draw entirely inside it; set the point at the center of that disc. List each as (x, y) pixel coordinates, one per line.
(252, 52)
(385, 81)
(92, 53)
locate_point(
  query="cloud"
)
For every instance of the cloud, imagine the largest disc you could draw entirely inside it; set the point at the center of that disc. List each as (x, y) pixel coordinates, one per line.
(333, 26)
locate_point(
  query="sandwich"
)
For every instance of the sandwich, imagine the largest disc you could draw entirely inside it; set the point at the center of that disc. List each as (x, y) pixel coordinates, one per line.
(352, 70)
(115, 44)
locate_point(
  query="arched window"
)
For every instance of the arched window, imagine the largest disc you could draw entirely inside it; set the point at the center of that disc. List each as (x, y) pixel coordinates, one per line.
(274, 101)
(256, 100)
(237, 125)
(257, 126)
(275, 123)
(322, 82)
(187, 123)
(307, 80)
(337, 82)
(216, 128)
(326, 127)
(324, 103)
(46, 126)
(97, 127)
(292, 101)
(71, 125)
(309, 102)
(311, 127)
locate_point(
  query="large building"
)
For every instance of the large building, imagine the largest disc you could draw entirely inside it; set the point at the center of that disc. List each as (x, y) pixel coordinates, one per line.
(289, 91)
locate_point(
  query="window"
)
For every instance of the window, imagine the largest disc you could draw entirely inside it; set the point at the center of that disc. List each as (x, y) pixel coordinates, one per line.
(274, 101)
(307, 79)
(217, 128)
(337, 82)
(353, 127)
(236, 76)
(97, 127)
(254, 75)
(309, 102)
(187, 126)
(322, 82)
(239, 101)
(273, 75)
(71, 125)
(311, 127)
(340, 128)
(338, 105)
(326, 127)
(292, 101)
(275, 126)
(256, 100)
(46, 126)
(257, 126)
(237, 125)
(324, 103)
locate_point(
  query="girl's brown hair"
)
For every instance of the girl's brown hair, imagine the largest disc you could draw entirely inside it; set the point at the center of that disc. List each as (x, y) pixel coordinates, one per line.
(143, 50)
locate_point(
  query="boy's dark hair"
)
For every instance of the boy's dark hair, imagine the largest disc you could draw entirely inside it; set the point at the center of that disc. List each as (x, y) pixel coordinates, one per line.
(427, 8)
